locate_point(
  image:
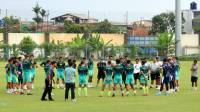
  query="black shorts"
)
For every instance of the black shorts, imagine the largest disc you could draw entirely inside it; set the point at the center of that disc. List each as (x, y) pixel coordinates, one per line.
(20, 80)
(155, 76)
(194, 79)
(136, 76)
(101, 75)
(124, 77)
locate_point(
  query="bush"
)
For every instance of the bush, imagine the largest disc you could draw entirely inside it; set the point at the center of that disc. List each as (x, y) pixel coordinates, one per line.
(190, 57)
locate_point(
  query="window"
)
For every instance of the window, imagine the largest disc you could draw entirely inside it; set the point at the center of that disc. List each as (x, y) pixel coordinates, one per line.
(137, 38)
(147, 38)
(137, 42)
(142, 42)
(142, 38)
(147, 42)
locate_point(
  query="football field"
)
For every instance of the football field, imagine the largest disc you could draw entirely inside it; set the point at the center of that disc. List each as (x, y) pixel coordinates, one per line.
(184, 101)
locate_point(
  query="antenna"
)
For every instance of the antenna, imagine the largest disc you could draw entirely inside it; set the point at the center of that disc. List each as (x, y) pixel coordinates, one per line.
(88, 14)
(126, 18)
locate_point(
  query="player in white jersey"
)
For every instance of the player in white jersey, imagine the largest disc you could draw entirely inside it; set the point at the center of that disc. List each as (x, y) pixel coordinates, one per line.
(137, 66)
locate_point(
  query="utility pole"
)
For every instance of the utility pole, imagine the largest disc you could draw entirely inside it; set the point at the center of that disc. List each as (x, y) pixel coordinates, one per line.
(86, 38)
(126, 18)
(6, 21)
(20, 25)
(47, 15)
(88, 14)
(178, 30)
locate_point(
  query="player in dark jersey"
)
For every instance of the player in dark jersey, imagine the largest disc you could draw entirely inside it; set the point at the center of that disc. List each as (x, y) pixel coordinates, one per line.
(101, 74)
(123, 62)
(48, 83)
(172, 75)
(20, 74)
(46, 65)
(74, 63)
(165, 77)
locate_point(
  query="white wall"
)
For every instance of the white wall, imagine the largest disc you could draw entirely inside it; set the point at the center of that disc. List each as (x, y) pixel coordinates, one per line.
(190, 44)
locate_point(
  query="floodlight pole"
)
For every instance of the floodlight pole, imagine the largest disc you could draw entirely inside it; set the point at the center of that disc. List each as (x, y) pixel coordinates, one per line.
(178, 27)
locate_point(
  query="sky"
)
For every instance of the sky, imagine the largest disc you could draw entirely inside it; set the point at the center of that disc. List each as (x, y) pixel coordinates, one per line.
(113, 10)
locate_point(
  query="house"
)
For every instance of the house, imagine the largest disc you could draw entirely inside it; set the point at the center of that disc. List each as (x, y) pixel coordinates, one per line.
(123, 26)
(140, 28)
(75, 18)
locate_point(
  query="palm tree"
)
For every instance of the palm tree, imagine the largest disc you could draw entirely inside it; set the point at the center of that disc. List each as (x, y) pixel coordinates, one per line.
(97, 44)
(43, 14)
(76, 46)
(37, 17)
(166, 44)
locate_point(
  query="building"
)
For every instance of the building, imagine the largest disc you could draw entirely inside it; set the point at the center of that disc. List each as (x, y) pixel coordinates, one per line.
(140, 28)
(188, 16)
(75, 18)
(138, 35)
(1, 23)
(142, 41)
(123, 26)
(145, 23)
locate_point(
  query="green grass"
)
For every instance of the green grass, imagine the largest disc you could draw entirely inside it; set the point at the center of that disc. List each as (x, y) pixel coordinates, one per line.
(183, 101)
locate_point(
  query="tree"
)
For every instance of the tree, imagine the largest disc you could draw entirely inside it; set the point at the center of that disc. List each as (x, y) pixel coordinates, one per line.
(48, 48)
(27, 45)
(43, 14)
(133, 51)
(71, 27)
(59, 48)
(76, 46)
(164, 22)
(11, 24)
(6, 47)
(87, 35)
(112, 51)
(166, 44)
(105, 27)
(97, 44)
(26, 29)
(15, 50)
(37, 17)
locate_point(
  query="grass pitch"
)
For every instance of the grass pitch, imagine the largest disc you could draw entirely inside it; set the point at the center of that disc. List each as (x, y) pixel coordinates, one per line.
(183, 101)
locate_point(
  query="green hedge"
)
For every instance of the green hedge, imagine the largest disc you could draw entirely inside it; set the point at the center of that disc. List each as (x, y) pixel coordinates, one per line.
(190, 57)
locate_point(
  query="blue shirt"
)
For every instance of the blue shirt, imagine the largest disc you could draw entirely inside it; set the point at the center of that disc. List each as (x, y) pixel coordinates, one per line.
(173, 69)
(70, 75)
(166, 70)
